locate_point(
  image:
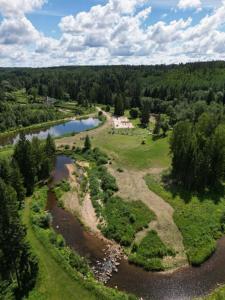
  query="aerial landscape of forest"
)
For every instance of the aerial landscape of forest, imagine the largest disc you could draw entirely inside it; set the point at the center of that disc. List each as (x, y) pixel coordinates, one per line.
(112, 172)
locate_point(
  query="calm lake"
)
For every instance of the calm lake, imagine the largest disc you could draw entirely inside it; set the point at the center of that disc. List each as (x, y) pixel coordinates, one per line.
(184, 284)
(68, 127)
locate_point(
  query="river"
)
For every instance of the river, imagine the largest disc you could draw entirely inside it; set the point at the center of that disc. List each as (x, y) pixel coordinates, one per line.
(186, 283)
(69, 127)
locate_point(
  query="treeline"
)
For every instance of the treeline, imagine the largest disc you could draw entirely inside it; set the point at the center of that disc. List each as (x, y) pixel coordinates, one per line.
(159, 89)
(31, 162)
(198, 152)
(16, 115)
(197, 81)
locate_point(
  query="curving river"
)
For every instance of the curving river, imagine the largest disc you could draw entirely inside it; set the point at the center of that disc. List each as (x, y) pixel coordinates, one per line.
(69, 127)
(183, 284)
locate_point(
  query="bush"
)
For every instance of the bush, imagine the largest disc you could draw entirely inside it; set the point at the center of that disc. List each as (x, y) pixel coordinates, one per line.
(125, 219)
(42, 219)
(149, 252)
(134, 113)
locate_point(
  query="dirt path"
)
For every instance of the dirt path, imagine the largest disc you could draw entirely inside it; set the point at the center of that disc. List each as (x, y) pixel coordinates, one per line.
(132, 186)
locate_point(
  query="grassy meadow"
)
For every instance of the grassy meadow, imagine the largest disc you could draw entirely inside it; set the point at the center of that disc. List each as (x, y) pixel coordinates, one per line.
(199, 218)
(134, 148)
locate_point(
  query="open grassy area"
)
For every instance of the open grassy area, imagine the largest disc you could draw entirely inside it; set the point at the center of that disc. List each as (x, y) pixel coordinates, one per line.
(149, 252)
(199, 218)
(129, 151)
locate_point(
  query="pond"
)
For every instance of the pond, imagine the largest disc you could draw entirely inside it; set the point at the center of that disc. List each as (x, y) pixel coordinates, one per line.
(69, 127)
(183, 284)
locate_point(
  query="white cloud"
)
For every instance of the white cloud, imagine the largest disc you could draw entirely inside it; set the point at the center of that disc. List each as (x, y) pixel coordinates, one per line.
(185, 4)
(15, 7)
(111, 33)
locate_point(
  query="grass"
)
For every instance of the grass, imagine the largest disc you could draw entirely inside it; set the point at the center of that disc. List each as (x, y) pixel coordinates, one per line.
(57, 277)
(6, 152)
(197, 217)
(149, 252)
(125, 219)
(128, 150)
(218, 294)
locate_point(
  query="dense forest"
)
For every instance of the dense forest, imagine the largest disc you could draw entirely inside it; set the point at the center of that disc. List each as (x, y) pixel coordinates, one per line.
(31, 163)
(180, 91)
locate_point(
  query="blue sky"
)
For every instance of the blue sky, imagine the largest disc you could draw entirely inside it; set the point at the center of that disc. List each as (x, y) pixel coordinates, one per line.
(48, 17)
(77, 32)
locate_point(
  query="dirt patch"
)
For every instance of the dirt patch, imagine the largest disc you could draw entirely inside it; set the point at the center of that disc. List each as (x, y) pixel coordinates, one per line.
(132, 186)
(88, 214)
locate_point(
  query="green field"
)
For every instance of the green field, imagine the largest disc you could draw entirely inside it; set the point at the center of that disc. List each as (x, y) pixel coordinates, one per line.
(128, 150)
(199, 218)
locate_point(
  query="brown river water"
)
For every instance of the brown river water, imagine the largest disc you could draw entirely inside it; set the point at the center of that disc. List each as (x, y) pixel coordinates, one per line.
(186, 283)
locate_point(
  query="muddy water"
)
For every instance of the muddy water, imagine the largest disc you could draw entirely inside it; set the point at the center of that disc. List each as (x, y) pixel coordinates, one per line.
(183, 284)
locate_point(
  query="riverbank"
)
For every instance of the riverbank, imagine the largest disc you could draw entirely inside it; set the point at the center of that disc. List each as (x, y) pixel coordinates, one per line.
(80, 205)
(34, 127)
(185, 283)
(62, 273)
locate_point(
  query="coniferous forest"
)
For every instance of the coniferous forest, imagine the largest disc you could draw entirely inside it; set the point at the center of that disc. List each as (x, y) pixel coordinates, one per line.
(178, 133)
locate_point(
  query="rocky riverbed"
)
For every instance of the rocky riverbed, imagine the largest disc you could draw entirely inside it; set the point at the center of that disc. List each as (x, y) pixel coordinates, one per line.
(105, 267)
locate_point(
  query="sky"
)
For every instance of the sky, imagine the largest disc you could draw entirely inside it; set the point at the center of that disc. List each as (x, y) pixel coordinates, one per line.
(43, 33)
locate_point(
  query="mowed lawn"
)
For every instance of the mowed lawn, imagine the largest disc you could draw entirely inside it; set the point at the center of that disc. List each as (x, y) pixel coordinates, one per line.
(128, 150)
(53, 282)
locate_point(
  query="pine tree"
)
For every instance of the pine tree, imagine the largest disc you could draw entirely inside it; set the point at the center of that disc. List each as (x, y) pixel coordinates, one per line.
(17, 264)
(145, 114)
(87, 143)
(50, 148)
(119, 106)
(24, 158)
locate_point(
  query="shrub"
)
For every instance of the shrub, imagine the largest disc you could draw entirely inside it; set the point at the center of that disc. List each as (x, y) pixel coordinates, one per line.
(149, 252)
(125, 219)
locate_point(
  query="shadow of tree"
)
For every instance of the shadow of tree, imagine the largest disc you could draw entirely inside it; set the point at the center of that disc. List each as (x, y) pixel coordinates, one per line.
(215, 193)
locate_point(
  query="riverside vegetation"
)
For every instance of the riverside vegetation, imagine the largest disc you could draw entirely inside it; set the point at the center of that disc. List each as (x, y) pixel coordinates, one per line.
(121, 220)
(187, 136)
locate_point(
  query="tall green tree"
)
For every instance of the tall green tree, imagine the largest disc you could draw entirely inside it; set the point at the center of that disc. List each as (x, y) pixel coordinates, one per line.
(145, 114)
(17, 264)
(119, 106)
(24, 158)
(50, 148)
(87, 143)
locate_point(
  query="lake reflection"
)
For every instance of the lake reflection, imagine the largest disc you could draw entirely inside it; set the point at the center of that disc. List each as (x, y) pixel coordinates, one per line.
(69, 127)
